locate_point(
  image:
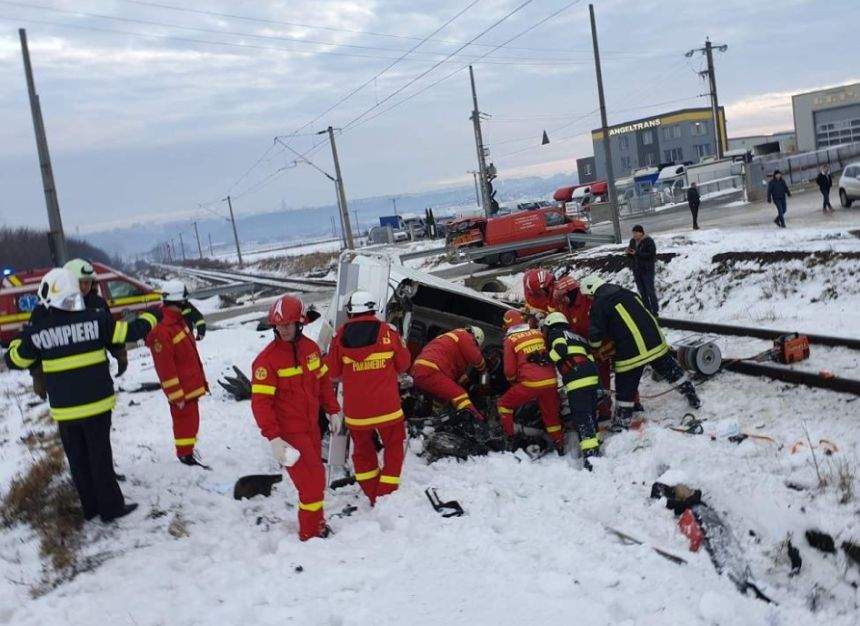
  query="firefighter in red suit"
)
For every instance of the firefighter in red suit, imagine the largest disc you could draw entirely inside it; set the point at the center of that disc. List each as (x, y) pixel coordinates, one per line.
(442, 364)
(528, 368)
(367, 356)
(177, 363)
(538, 287)
(290, 384)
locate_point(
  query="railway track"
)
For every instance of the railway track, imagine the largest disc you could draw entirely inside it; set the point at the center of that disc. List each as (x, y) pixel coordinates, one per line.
(784, 373)
(304, 285)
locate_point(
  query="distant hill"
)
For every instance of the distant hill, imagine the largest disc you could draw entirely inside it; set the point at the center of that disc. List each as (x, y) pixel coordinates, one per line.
(311, 222)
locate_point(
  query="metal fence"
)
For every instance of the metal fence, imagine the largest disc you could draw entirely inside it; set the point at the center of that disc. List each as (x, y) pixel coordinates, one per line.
(663, 198)
(802, 168)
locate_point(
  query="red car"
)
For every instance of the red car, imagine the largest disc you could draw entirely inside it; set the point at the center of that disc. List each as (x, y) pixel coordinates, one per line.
(520, 226)
(18, 296)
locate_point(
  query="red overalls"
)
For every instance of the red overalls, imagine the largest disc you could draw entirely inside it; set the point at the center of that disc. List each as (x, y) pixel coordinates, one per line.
(531, 381)
(367, 355)
(289, 384)
(443, 363)
(177, 363)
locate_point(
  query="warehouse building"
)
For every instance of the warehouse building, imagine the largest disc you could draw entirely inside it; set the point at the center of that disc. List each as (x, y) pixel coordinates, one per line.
(827, 117)
(784, 142)
(682, 136)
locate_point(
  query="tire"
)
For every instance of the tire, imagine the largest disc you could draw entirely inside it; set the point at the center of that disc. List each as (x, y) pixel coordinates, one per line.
(845, 200)
(507, 258)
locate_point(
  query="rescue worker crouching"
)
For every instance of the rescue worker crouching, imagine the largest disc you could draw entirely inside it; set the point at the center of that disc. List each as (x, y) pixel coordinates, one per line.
(290, 384)
(367, 355)
(179, 370)
(442, 365)
(528, 368)
(571, 355)
(618, 314)
(71, 341)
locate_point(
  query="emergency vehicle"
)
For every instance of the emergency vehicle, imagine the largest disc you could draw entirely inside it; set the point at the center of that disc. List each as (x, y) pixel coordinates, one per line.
(518, 226)
(18, 296)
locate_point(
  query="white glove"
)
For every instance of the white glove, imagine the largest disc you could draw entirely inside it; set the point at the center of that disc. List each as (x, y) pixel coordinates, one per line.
(335, 423)
(284, 453)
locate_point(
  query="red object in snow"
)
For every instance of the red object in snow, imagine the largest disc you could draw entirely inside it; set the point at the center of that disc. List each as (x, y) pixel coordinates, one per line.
(691, 530)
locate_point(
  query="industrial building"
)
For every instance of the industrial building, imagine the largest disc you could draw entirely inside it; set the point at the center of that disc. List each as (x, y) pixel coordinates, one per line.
(681, 136)
(784, 142)
(827, 117)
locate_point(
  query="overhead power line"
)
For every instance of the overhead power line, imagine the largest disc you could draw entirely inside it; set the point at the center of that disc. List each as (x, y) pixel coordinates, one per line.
(261, 20)
(287, 39)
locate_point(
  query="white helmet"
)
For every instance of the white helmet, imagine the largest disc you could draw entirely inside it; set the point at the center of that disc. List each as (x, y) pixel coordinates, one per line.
(81, 268)
(477, 333)
(590, 284)
(360, 302)
(59, 289)
(173, 291)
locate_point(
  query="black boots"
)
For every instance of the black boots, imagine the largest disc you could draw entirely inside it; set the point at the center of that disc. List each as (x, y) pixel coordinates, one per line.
(689, 392)
(190, 459)
(127, 508)
(621, 419)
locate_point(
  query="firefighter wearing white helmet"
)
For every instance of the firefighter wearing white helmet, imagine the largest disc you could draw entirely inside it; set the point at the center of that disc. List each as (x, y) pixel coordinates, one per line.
(367, 355)
(70, 341)
(175, 292)
(441, 369)
(618, 315)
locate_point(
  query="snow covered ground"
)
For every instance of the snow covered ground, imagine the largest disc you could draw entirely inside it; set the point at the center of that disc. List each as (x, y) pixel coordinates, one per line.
(532, 547)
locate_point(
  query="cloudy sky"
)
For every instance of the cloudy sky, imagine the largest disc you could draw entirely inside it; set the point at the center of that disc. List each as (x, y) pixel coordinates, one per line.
(154, 108)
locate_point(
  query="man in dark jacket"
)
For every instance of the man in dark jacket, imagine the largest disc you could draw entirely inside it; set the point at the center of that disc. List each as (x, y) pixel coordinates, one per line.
(643, 253)
(778, 192)
(618, 315)
(693, 200)
(825, 182)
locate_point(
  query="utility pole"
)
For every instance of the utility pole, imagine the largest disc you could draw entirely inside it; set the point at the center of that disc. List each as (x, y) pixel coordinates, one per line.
(211, 251)
(394, 202)
(479, 145)
(708, 51)
(57, 238)
(197, 237)
(607, 149)
(235, 232)
(341, 194)
(474, 174)
(355, 220)
(182, 247)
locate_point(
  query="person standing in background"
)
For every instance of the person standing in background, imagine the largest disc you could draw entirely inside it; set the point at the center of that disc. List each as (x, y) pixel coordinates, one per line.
(825, 183)
(778, 192)
(643, 253)
(693, 200)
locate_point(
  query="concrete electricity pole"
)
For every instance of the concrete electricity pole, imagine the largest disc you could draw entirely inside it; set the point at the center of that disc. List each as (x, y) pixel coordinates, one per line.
(59, 254)
(341, 194)
(182, 246)
(211, 251)
(394, 202)
(235, 232)
(607, 149)
(197, 237)
(708, 51)
(479, 145)
(474, 174)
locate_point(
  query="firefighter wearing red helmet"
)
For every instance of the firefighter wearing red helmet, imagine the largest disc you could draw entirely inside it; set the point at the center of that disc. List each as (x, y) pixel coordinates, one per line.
(538, 285)
(528, 368)
(290, 384)
(367, 356)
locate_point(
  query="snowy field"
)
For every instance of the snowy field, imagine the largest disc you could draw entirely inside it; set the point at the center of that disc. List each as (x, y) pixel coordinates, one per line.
(533, 546)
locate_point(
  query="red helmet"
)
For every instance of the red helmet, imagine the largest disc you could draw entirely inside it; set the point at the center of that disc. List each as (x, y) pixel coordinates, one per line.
(287, 309)
(566, 286)
(538, 283)
(512, 318)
